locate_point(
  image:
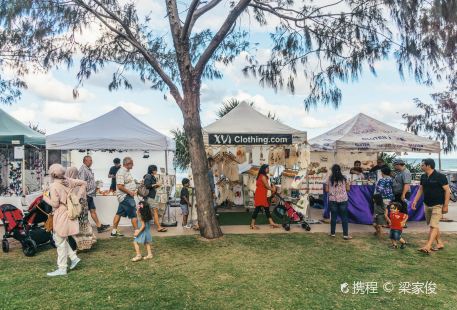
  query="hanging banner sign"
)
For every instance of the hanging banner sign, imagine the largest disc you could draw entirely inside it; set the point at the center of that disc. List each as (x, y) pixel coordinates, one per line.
(19, 152)
(249, 139)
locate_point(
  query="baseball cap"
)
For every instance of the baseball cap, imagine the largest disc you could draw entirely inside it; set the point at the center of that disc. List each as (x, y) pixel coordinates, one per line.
(399, 162)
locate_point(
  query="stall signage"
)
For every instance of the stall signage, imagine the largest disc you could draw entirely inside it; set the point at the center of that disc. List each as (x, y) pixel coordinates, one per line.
(249, 139)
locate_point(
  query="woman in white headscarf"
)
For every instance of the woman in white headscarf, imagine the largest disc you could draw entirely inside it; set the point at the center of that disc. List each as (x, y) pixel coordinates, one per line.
(63, 226)
(85, 238)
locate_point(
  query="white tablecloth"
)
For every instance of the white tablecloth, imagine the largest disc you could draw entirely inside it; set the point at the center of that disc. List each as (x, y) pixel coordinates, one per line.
(106, 210)
(12, 200)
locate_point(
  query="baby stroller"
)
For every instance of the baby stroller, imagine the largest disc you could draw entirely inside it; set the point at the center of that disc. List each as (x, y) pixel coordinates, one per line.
(285, 211)
(28, 228)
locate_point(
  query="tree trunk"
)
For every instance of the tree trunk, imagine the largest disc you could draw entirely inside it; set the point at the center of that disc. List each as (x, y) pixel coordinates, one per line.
(209, 226)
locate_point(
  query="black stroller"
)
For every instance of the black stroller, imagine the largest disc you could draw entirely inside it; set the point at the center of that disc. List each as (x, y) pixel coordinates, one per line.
(26, 228)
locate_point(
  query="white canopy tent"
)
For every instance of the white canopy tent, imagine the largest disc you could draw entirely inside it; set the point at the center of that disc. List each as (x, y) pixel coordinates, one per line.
(250, 127)
(115, 130)
(122, 134)
(364, 133)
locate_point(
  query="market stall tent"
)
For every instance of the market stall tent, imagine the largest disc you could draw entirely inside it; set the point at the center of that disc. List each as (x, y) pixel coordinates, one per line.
(21, 159)
(13, 131)
(114, 134)
(247, 123)
(364, 133)
(115, 130)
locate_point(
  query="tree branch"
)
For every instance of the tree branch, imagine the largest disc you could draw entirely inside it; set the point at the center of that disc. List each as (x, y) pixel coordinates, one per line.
(190, 15)
(135, 43)
(220, 36)
(201, 11)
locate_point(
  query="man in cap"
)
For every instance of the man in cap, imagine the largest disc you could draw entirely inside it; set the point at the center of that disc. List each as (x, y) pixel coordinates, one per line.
(402, 182)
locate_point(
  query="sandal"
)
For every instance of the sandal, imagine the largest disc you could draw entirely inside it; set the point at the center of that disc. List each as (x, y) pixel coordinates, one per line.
(437, 248)
(137, 258)
(162, 229)
(148, 257)
(254, 227)
(274, 226)
(425, 251)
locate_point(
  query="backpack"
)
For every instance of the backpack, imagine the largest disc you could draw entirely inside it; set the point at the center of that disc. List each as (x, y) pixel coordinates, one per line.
(74, 208)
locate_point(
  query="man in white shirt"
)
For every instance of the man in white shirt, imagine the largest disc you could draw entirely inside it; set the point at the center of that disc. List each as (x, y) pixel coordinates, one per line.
(126, 191)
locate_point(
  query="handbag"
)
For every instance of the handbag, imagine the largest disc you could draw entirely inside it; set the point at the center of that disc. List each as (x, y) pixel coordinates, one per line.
(48, 225)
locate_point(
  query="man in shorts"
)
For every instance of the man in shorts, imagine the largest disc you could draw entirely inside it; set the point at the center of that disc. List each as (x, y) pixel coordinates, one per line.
(125, 193)
(86, 174)
(435, 188)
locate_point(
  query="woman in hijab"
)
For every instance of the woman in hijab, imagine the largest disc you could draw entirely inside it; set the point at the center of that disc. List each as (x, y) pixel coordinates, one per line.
(260, 197)
(63, 226)
(85, 238)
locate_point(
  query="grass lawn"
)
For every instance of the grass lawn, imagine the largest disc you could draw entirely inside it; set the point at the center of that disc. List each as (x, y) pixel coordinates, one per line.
(280, 271)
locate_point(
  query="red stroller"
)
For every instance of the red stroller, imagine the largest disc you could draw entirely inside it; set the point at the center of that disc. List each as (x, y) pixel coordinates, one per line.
(26, 228)
(285, 211)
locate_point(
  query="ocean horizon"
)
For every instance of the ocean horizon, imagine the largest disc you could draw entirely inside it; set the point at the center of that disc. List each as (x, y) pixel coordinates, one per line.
(446, 163)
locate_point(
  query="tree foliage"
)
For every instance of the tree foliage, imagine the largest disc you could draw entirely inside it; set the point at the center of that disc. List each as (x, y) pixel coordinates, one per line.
(439, 118)
(36, 127)
(181, 160)
(324, 42)
(229, 104)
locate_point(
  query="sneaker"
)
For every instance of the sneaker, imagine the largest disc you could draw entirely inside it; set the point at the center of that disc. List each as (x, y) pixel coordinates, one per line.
(137, 258)
(74, 263)
(104, 226)
(332, 235)
(58, 272)
(189, 226)
(102, 229)
(117, 234)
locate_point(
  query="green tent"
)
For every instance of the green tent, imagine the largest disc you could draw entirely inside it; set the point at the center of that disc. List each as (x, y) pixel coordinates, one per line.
(13, 131)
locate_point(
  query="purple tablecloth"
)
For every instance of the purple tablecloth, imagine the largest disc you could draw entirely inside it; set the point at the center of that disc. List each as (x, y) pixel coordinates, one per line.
(360, 205)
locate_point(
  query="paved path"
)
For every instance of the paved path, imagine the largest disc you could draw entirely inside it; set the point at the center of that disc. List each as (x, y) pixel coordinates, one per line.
(415, 227)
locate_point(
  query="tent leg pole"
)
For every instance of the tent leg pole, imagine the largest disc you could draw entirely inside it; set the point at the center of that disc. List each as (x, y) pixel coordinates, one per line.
(439, 160)
(23, 172)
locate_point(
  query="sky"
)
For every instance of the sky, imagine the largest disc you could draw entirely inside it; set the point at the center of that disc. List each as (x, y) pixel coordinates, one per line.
(48, 101)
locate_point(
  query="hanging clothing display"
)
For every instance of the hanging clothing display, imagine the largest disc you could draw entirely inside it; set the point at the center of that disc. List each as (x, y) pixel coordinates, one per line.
(304, 156)
(292, 158)
(287, 178)
(238, 193)
(240, 154)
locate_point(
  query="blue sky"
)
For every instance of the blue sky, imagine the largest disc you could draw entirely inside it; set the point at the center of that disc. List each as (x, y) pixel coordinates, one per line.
(48, 100)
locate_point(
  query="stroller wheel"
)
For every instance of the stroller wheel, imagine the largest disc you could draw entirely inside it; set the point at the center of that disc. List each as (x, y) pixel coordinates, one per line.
(306, 226)
(29, 247)
(5, 246)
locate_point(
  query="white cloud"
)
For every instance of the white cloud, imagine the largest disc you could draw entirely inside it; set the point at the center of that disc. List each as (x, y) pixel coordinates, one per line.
(388, 112)
(47, 87)
(61, 112)
(292, 113)
(135, 109)
(24, 115)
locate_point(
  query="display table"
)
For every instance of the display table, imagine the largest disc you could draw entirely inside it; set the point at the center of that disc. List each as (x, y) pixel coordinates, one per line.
(11, 200)
(360, 205)
(106, 210)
